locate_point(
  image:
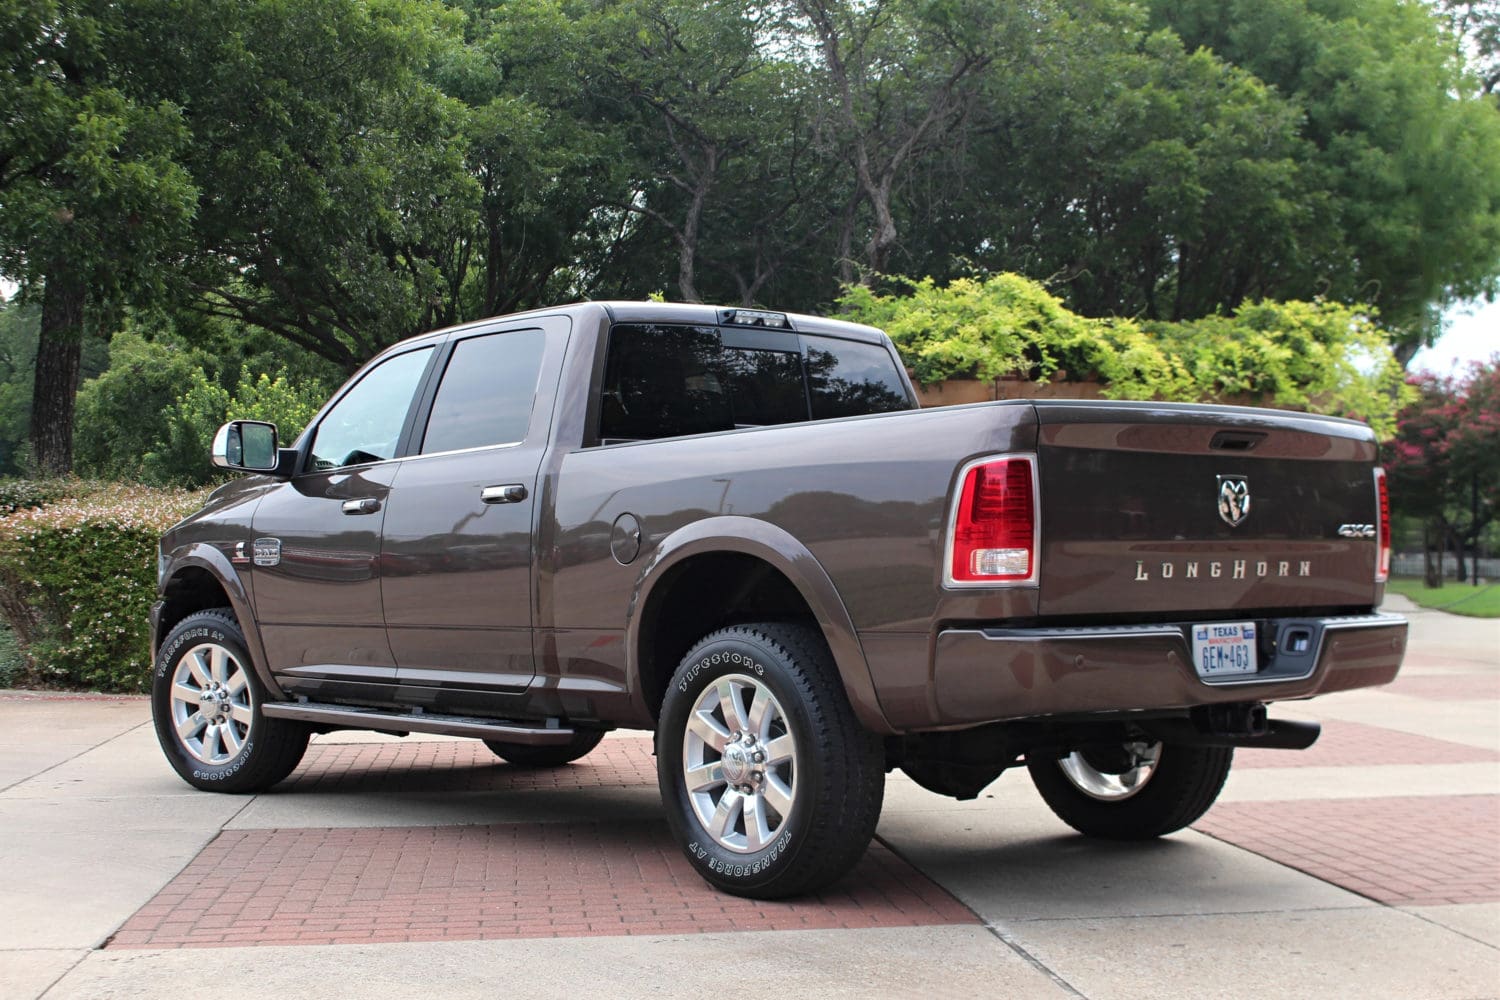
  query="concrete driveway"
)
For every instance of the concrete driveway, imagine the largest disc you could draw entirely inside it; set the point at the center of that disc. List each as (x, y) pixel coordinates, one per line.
(1368, 866)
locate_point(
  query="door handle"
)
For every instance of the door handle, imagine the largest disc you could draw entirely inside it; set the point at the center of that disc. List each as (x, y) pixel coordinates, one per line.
(364, 505)
(514, 493)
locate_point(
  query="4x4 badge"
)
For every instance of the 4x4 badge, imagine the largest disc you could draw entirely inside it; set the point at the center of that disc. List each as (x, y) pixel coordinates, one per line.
(1234, 499)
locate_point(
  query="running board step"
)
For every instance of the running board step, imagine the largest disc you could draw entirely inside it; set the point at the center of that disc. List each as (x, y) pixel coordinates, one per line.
(385, 721)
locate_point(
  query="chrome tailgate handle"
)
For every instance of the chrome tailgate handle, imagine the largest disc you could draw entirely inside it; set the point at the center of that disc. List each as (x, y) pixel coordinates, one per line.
(513, 493)
(364, 505)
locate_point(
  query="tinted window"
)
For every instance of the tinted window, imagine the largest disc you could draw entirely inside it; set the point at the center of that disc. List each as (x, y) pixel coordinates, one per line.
(846, 378)
(664, 381)
(365, 425)
(487, 392)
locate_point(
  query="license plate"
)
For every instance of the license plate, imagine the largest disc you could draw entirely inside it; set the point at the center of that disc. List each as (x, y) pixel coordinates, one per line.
(1224, 649)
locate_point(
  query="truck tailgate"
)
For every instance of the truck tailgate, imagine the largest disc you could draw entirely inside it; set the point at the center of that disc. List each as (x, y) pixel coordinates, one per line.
(1201, 510)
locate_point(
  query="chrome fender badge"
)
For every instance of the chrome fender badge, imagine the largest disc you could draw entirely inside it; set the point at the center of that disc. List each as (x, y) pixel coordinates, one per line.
(267, 551)
(1234, 499)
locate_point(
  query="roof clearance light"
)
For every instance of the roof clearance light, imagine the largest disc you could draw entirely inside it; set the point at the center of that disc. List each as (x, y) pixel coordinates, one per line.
(755, 317)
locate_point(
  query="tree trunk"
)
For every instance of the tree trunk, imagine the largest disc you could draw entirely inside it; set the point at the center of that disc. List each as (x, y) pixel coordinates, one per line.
(58, 356)
(687, 253)
(1432, 556)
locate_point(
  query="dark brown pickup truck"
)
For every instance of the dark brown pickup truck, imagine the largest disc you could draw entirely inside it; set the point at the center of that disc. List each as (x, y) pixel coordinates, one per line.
(734, 527)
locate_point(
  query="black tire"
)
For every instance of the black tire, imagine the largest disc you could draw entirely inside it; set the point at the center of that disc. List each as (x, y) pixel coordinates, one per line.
(254, 752)
(1183, 785)
(810, 744)
(523, 755)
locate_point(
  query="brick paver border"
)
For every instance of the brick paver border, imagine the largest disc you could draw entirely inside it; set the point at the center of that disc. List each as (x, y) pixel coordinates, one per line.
(384, 884)
(1410, 850)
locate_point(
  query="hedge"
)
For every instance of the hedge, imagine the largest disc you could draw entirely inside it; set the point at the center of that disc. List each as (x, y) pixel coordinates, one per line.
(1318, 356)
(77, 580)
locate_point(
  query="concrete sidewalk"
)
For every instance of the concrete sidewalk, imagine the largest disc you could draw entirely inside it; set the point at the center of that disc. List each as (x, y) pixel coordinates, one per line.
(1368, 866)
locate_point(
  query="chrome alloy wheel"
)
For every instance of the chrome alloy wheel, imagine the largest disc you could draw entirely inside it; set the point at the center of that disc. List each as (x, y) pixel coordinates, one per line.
(1109, 785)
(739, 764)
(211, 703)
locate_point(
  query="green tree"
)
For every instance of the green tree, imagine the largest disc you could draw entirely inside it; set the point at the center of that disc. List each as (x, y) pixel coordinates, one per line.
(124, 412)
(94, 206)
(330, 171)
(1398, 195)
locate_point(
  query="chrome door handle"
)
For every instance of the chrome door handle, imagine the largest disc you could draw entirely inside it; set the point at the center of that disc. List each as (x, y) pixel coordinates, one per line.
(514, 493)
(364, 505)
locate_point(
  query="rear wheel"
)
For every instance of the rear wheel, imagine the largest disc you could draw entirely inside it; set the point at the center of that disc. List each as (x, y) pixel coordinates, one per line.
(526, 755)
(206, 703)
(1134, 791)
(771, 784)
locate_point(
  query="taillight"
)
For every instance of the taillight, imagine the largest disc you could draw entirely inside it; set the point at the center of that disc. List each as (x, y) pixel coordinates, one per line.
(995, 524)
(1383, 531)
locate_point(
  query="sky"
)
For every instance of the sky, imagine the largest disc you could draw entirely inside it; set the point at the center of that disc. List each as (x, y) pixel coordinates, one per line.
(1471, 333)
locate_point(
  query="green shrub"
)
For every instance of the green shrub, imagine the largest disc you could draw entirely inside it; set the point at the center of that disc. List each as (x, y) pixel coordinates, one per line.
(25, 494)
(10, 658)
(122, 414)
(180, 456)
(77, 579)
(1317, 356)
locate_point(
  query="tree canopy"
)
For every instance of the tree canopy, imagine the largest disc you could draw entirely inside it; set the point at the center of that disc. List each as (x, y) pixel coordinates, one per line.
(344, 173)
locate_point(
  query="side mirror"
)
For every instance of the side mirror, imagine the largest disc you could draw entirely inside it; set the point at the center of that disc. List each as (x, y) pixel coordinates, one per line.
(246, 446)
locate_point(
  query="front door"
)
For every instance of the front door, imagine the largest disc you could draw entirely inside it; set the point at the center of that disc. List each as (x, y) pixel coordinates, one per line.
(316, 553)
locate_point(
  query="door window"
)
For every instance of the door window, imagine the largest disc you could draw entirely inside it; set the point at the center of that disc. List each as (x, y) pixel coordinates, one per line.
(487, 392)
(365, 425)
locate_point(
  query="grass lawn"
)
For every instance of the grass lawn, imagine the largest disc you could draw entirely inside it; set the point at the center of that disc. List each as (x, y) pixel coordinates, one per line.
(1458, 598)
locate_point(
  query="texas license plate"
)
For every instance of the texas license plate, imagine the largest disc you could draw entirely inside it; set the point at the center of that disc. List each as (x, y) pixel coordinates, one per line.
(1224, 649)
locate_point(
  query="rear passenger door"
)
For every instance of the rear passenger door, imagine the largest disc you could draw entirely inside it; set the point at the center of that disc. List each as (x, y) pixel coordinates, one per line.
(456, 556)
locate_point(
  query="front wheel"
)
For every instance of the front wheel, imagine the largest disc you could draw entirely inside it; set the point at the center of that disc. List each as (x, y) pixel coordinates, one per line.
(1134, 791)
(771, 785)
(206, 703)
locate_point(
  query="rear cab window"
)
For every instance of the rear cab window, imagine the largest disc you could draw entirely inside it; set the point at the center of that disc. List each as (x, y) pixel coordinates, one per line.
(668, 380)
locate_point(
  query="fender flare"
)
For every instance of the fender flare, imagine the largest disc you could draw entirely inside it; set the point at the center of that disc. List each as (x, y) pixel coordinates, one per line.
(775, 546)
(211, 559)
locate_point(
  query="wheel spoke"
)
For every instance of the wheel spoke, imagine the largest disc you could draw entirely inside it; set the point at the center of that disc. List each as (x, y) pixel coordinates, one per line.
(231, 738)
(188, 728)
(210, 743)
(237, 681)
(217, 665)
(724, 816)
(188, 696)
(755, 823)
(760, 714)
(701, 779)
(241, 714)
(733, 707)
(777, 795)
(199, 668)
(780, 750)
(707, 729)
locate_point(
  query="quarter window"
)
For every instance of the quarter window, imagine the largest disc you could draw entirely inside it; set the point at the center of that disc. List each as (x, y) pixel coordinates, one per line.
(846, 378)
(487, 392)
(365, 425)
